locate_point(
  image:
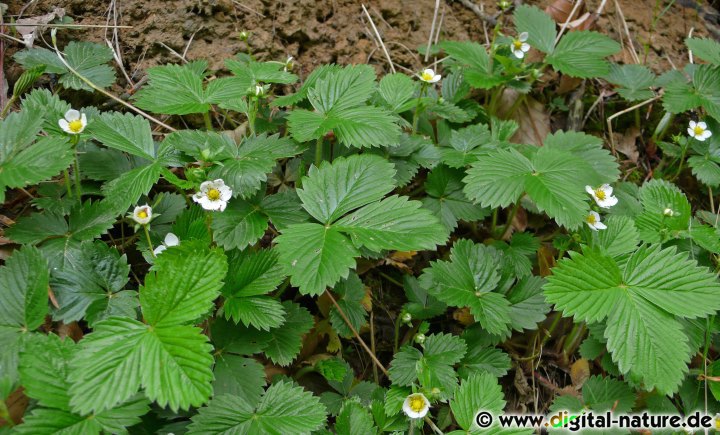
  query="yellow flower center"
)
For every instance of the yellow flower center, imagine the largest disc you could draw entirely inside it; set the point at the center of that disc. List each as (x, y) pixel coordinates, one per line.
(213, 194)
(142, 214)
(427, 76)
(698, 130)
(417, 403)
(591, 219)
(600, 194)
(517, 44)
(75, 126)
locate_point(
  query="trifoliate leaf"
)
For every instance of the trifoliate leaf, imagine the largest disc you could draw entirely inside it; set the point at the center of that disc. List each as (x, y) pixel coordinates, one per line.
(538, 25)
(283, 408)
(251, 276)
(582, 54)
(433, 367)
(89, 59)
(464, 144)
(643, 295)
(468, 280)
(182, 284)
(479, 71)
(23, 160)
(172, 363)
(90, 286)
(553, 179)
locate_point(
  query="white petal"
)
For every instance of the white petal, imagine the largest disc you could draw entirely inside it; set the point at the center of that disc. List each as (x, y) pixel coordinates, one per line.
(607, 189)
(525, 47)
(590, 191)
(706, 134)
(600, 226)
(608, 202)
(523, 37)
(693, 124)
(592, 226)
(429, 72)
(198, 196)
(171, 240)
(702, 125)
(206, 185)
(225, 193)
(222, 205)
(519, 54)
(691, 131)
(206, 203)
(595, 215)
(159, 249)
(65, 126)
(83, 119)
(435, 79)
(701, 137)
(72, 115)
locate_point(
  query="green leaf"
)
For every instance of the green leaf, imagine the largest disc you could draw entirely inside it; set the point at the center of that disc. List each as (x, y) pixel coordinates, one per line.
(333, 190)
(254, 274)
(479, 392)
(433, 367)
(87, 58)
(554, 180)
(174, 90)
(240, 225)
(706, 80)
(124, 132)
(705, 48)
(420, 305)
(393, 223)
(172, 363)
(635, 81)
(582, 54)
(538, 25)
(656, 196)
(315, 256)
(283, 408)
(528, 306)
(478, 70)
(23, 160)
(24, 290)
(44, 366)
(354, 419)
(127, 189)
(598, 165)
(621, 237)
(396, 90)
(182, 284)
(643, 294)
(481, 359)
(607, 394)
(242, 377)
(468, 280)
(285, 341)
(90, 286)
(517, 252)
(680, 96)
(318, 73)
(351, 293)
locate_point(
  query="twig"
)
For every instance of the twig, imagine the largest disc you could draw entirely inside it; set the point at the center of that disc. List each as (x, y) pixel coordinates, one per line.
(627, 32)
(575, 8)
(187, 47)
(377, 35)
(432, 30)
(690, 53)
(179, 56)
(237, 3)
(479, 12)
(12, 38)
(622, 112)
(79, 26)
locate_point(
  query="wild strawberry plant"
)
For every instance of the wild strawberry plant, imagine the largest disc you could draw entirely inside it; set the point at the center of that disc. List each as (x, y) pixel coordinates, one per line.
(240, 253)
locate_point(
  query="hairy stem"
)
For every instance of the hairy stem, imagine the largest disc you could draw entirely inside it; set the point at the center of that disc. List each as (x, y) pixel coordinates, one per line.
(147, 236)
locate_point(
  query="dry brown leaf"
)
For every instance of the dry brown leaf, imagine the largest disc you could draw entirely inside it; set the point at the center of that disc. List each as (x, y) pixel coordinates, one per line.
(627, 143)
(532, 118)
(559, 10)
(398, 259)
(579, 372)
(16, 404)
(546, 260)
(30, 27)
(463, 316)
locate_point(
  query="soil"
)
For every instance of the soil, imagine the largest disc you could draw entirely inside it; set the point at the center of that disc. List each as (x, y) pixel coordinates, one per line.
(337, 31)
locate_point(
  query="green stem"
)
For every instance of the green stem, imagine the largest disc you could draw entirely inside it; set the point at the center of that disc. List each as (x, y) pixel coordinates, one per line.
(78, 186)
(416, 115)
(208, 121)
(680, 166)
(7, 107)
(318, 152)
(147, 236)
(68, 184)
(493, 226)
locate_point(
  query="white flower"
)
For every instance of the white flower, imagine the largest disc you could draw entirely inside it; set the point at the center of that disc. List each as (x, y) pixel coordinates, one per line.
(74, 122)
(213, 195)
(429, 76)
(602, 195)
(593, 221)
(288, 64)
(699, 131)
(170, 240)
(416, 405)
(259, 91)
(142, 214)
(519, 47)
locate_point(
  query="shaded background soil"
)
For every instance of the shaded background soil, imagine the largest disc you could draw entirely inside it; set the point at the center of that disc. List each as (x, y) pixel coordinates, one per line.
(336, 31)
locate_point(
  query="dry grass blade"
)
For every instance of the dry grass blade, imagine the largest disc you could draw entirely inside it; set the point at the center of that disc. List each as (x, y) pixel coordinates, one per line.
(377, 35)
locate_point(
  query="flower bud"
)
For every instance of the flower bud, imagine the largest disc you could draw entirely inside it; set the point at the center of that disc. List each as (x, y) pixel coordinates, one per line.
(244, 36)
(668, 212)
(420, 338)
(406, 318)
